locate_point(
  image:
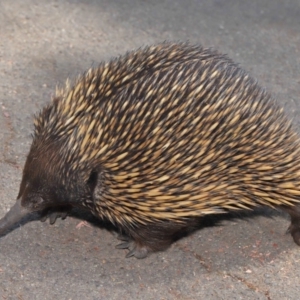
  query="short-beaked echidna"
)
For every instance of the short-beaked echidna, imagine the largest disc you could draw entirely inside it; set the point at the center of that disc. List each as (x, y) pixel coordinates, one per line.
(155, 139)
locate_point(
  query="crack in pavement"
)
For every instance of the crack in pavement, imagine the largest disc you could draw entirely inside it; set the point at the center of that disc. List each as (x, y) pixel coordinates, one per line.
(250, 285)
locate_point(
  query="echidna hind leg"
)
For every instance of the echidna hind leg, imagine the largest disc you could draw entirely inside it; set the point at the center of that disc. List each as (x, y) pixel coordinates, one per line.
(142, 240)
(294, 228)
(136, 250)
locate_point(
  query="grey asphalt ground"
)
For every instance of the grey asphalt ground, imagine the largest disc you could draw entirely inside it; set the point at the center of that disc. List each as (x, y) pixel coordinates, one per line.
(44, 42)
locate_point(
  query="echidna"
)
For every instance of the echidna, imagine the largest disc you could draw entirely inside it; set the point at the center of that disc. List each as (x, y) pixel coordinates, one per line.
(154, 140)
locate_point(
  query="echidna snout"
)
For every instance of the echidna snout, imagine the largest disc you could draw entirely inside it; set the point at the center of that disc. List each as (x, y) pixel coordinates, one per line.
(154, 140)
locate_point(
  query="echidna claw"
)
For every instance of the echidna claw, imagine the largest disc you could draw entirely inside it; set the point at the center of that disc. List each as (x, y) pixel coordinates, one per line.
(138, 252)
(130, 254)
(122, 237)
(125, 245)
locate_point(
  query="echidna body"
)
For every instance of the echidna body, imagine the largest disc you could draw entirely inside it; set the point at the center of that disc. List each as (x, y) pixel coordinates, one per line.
(157, 138)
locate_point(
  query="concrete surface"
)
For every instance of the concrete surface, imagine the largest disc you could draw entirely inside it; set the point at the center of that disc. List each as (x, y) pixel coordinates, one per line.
(44, 42)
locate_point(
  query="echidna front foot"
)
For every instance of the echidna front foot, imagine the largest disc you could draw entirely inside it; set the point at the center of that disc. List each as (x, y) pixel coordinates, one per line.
(55, 213)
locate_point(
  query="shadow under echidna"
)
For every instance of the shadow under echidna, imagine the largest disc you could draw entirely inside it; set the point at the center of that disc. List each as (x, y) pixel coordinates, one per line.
(154, 140)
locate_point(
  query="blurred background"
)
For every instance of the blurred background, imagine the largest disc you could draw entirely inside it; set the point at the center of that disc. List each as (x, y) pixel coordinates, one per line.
(42, 43)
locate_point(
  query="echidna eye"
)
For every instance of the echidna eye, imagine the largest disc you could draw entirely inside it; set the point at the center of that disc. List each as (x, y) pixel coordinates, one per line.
(36, 201)
(92, 181)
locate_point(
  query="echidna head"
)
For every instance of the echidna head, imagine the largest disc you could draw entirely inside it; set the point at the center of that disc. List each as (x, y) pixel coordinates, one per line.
(48, 183)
